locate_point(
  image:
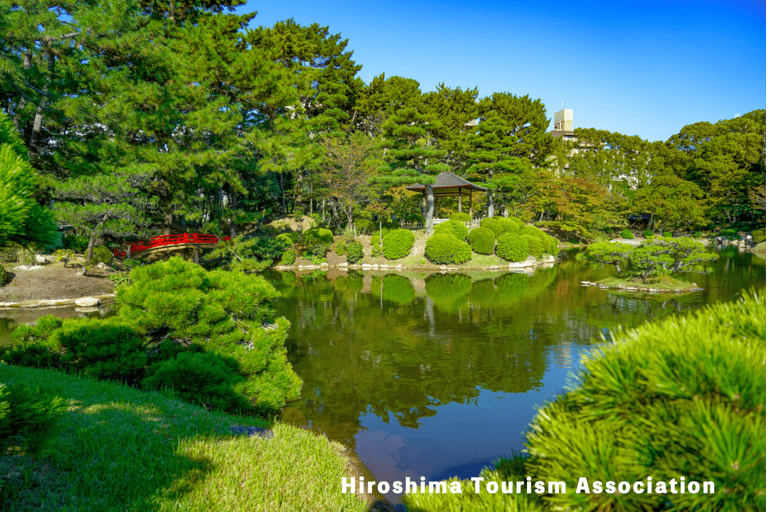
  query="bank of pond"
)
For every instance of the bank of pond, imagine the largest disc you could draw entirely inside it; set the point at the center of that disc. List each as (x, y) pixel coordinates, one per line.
(413, 374)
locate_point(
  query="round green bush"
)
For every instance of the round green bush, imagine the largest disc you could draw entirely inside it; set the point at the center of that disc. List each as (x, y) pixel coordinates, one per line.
(461, 217)
(647, 234)
(364, 226)
(286, 239)
(627, 234)
(317, 241)
(354, 251)
(101, 255)
(667, 234)
(398, 244)
(443, 249)
(697, 234)
(288, 258)
(535, 247)
(482, 240)
(340, 248)
(501, 225)
(512, 247)
(457, 229)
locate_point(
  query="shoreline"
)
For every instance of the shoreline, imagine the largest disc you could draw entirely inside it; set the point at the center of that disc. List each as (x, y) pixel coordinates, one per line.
(530, 263)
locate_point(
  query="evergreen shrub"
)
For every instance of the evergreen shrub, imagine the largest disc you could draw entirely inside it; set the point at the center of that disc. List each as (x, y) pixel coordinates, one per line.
(627, 234)
(457, 229)
(348, 236)
(354, 252)
(101, 255)
(288, 258)
(667, 234)
(27, 418)
(363, 226)
(501, 225)
(681, 397)
(698, 234)
(482, 240)
(78, 243)
(647, 234)
(340, 248)
(4, 276)
(286, 239)
(460, 217)
(398, 244)
(9, 252)
(535, 247)
(444, 249)
(376, 241)
(512, 247)
(34, 347)
(317, 241)
(758, 235)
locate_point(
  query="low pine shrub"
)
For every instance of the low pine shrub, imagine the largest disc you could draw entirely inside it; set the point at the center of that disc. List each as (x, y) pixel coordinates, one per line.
(398, 244)
(512, 247)
(27, 418)
(288, 258)
(101, 255)
(317, 241)
(444, 249)
(627, 234)
(457, 229)
(461, 217)
(647, 234)
(354, 252)
(482, 240)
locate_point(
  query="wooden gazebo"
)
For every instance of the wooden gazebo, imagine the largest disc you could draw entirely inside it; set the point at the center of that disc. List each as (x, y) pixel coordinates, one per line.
(448, 184)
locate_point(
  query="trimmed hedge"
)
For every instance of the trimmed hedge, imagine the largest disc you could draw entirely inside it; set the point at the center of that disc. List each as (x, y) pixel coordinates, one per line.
(461, 217)
(101, 255)
(317, 241)
(364, 226)
(457, 229)
(512, 247)
(647, 234)
(354, 251)
(289, 257)
(501, 225)
(667, 234)
(398, 244)
(627, 234)
(535, 247)
(443, 249)
(482, 240)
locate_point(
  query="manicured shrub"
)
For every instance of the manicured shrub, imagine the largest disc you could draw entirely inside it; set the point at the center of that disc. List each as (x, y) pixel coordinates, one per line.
(512, 247)
(34, 347)
(444, 249)
(758, 235)
(286, 239)
(288, 258)
(364, 226)
(348, 236)
(376, 241)
(681, 397)
(549, 244)
(354, 252)
(482, 240)
(101, 255)
(317, 241)
(667, 234)
(398, 244)
(625, 233)
(502, 225)
(102, 348)
(457, 229)
(27, 418)
(535, 247)
(461, 217)
(647, 234)
(340, 248)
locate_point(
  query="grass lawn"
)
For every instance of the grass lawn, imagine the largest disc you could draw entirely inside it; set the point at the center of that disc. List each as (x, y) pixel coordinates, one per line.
(665, 283)
(120, 449)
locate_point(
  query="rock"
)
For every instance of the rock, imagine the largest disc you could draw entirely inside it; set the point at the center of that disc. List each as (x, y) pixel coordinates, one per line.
(22, 268)
(87, 302)
(40, 258)
(263, 433)
(586, 283)
(86, 310)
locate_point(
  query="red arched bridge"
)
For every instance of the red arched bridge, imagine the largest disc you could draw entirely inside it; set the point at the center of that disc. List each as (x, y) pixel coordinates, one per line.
(166, 243)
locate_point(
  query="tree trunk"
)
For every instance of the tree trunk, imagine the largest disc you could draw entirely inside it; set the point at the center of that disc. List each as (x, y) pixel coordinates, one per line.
(167, 226)
(491, 209)
(37, 124)
(282, 192)
(617, 267)
(429, 193)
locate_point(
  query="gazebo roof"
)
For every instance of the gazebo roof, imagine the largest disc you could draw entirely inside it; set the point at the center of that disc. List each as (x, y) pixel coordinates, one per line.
(447, 184)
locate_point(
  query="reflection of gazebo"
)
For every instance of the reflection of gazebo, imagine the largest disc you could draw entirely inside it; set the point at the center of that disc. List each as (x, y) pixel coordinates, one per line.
(448, 184)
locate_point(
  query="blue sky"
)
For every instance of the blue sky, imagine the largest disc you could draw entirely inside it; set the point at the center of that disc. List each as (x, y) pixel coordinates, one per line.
(642, 68)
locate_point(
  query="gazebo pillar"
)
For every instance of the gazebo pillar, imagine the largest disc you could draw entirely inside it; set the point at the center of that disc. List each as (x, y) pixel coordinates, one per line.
(459, 199)
(470, 203)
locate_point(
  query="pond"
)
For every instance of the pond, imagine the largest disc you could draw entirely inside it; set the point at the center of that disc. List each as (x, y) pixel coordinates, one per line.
(439, 375)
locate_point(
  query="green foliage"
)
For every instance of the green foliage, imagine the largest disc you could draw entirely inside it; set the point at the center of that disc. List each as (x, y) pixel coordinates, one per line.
(397, 289)
(101, 255)
(681, 397)
(317, 241)
(648, 234)
(627, 234)
(610, 253)
(758, 235)
(512, 247)
(288, 258)
(348, 236)
(340, 248)
(398, 244)
(549, 244)
(457, 229)
(697, 234)
(354, 252)
(246, 253)
(570, 231)
(444, 249)
(364, 226)
(461, 217)
(501, 225)
(64, 255)
(535, 247)
(667, 234)
(449, 292)
(482, 240)
(376, 241)
(286, 239)
(76, 243)
(27, 418)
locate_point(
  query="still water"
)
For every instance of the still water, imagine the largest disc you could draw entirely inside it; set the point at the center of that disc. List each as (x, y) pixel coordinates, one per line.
(439, 375)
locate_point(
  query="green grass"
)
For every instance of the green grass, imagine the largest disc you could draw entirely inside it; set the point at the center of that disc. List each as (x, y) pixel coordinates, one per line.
(120, 449)
(666, 283)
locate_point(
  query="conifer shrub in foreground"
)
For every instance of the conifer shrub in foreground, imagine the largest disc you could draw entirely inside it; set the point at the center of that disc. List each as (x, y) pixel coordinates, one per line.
(398, 244)
(482, 240)
(683, 397)
(457, 229)
(512, 247)
(27, 418)
(444, 249)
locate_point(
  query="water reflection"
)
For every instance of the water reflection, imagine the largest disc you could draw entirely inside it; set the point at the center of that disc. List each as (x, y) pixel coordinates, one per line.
(437, 375)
